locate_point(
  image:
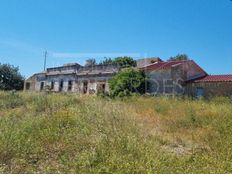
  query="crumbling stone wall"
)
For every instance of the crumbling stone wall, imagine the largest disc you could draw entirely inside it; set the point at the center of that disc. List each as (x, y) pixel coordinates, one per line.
(74, 78)
(29, 84)
(77, 83)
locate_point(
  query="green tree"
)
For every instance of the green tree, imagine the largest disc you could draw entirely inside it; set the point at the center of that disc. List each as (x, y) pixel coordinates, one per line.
(10, 78)
(179, 57)
(90, 62)
(106, 61)
(127, 82)
(124, 62)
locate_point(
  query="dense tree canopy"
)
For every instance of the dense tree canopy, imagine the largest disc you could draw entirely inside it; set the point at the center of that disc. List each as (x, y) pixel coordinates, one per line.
(127, 82)
(10, 78)
(90, 62)
(179, 57)
(124, 62)
(106, 61)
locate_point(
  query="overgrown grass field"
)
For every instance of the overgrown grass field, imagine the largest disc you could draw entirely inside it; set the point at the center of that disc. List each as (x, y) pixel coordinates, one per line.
(64, 133)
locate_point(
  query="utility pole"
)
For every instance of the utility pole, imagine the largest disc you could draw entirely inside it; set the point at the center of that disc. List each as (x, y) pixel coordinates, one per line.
(45, 59)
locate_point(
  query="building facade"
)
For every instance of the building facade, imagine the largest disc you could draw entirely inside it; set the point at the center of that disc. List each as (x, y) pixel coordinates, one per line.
(73, 78)
(183, 77)
(170, 78)
(210, 86)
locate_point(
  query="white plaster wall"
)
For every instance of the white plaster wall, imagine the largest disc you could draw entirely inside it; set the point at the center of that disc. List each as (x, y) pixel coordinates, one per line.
(93, 86)
(107, 89)
(56, 86)
(37, 86)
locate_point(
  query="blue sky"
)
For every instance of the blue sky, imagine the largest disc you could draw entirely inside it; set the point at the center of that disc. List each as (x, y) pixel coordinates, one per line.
(73, 30)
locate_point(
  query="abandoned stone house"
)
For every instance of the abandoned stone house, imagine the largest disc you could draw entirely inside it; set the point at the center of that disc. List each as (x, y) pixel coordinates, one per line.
(183, 77)
(73, 78)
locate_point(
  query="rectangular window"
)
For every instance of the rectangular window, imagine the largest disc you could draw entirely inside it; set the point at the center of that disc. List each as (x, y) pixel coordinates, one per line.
(41, 86)
(61, 85)
(28, 85)
(70, 84)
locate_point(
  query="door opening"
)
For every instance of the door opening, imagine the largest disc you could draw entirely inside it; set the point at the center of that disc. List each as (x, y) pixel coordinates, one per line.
(200, 92)
(85, 87)
(41, 86)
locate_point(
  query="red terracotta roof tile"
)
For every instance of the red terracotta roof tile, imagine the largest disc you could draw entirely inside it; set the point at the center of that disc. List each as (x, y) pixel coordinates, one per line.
(215, 78)
(163, 65)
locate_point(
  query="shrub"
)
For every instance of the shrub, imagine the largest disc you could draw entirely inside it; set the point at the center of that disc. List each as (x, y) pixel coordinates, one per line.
(127, 82)
(10, 78)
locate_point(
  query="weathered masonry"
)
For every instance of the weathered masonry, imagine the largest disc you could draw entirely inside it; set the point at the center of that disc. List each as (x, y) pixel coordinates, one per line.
(73, 78)
(211, 86)
(183, 77)
(170, 78)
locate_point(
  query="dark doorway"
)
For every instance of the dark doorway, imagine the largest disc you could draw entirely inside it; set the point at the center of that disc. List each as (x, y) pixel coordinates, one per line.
(101, 88)
(85, 87)
(61, 85)
(52, 85)
(70, 84)
(28, 85)
(41, 86)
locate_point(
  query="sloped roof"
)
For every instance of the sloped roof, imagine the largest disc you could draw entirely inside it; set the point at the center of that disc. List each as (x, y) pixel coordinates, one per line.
(36, 74)
(163, 65)
(193, 70)
(215, 78)
(169, 64)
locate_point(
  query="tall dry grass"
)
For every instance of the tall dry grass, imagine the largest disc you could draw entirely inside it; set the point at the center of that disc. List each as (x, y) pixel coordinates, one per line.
(64, 133)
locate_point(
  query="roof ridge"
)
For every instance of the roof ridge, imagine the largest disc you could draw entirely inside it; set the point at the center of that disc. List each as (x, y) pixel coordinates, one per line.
(216, 78)
(155, 63)
(220, 75)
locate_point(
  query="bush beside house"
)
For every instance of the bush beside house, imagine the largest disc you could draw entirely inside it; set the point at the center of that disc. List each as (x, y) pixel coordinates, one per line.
(127, 82)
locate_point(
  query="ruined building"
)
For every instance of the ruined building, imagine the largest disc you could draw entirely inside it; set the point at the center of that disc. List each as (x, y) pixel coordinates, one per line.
(183, 77)
(73, 78)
